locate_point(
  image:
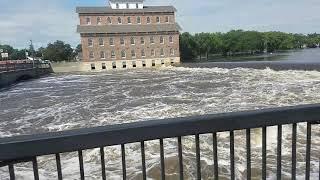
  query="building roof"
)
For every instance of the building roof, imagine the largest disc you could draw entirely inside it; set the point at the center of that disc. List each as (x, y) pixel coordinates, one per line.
(113, 29)
(108, 9)
(126, 1)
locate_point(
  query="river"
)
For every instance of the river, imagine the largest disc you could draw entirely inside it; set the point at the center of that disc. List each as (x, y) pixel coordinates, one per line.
(74, 100)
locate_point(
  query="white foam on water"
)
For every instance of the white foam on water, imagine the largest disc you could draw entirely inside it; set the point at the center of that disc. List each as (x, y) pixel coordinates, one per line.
(69, 101)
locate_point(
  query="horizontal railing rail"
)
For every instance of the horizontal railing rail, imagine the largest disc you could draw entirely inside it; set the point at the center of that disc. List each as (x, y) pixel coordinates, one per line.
(9, 66)
(27, 148)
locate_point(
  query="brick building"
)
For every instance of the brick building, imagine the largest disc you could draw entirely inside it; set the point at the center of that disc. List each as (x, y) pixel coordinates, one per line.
(128, 34)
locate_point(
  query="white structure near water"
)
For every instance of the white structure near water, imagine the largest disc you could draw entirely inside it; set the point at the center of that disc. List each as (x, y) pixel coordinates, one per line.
(126, 4)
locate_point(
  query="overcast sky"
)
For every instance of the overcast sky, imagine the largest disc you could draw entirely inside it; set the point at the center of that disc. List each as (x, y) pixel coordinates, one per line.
(45, 21)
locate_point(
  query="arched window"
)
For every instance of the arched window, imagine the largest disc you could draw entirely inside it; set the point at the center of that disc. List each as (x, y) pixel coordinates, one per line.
(161, 40)
(143, 54)
(152, 40)
(161, 52)
(99, 20)
(123, 54)
(170, 39)
(172, 52)
(119, 20)
(111, 41)
(101, 42)
(88, 21)
(148, 20)
(90, 42)
(153, 52)
(142, 40)
(122, 41)
(139, 20)
(113, 54)
(91, 55)
(167, 19)
(133, 54)
(129, 20)
(158, 19)
(109, 20)
(133, 41)
(102, 55)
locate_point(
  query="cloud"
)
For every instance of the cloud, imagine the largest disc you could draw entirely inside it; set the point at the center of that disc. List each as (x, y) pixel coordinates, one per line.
(45, 21)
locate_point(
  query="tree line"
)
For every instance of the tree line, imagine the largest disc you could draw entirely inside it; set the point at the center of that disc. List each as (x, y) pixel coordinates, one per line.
(56, 52)
(238, 42)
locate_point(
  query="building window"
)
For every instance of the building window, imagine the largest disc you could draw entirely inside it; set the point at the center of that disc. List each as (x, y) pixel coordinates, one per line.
(134, 64)
(170, 39)
(143, 63)
(104, 66)
(117, 5)
(109, 20)
(90, 42)
(122, 42)
(133, 41)
(91, 55)
(127, 5)
(88, 21)
(99, 20)
(101, 42)
(123, 54)
(114, 65)
(142, 40)
(129, 20)
(152, 40)
(167, 19)
(133, 54)
(119, 20)
(153, 53)
(113, 55)
(124, 64)
(111, 42)
(172, 52)
(137, 5)
(139, 20)
(102, 55)
(153, 63)
(158, 19)
(161, 40)
(162, 62)
(161, 52)
(148, 20)
(143, 54)
(93, 66)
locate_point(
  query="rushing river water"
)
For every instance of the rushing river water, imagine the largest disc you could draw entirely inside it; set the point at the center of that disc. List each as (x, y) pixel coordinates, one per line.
(67, 101)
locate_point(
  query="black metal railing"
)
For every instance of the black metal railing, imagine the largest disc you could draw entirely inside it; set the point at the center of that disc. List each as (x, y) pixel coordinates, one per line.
(9, 66)
(19, 149)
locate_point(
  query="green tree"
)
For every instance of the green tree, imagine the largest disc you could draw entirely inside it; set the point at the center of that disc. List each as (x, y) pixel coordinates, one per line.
(58, 51)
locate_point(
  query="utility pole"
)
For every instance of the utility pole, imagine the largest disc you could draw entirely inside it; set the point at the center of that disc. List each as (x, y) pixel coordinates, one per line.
(32, 53)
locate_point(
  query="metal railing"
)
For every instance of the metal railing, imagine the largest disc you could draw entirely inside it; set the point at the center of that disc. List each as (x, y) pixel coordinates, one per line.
(19, 149)
(8, 66)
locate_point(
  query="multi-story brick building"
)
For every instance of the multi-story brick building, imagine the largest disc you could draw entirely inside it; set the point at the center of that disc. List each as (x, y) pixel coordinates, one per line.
(128, 34)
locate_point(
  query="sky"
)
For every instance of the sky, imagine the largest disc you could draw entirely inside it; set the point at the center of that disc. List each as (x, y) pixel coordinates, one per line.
(45, 21)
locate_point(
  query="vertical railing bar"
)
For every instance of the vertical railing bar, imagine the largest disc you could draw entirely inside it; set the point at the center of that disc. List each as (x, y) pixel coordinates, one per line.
(35, 168)
(215, 156)
(308, 151)
(232, 155)
(294, 151)
(279, 151)
(58, 161)
(198, 157)
(143, 158)
(11, 172)
(264, 153)
(103, 164)
(180, 158)
(163, 171)
(81, 164)
(248, 139)
(124, 166)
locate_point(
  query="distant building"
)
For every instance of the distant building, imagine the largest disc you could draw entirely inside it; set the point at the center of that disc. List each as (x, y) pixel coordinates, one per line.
(128, 34)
